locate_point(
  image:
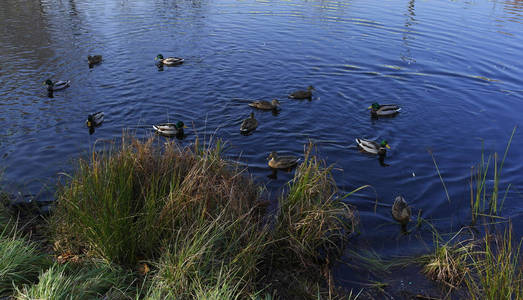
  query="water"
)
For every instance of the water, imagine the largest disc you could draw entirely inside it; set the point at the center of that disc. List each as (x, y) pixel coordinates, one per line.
(455, 67)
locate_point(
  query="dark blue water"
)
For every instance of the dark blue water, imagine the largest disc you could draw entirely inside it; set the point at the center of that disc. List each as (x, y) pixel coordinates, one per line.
(455, 67)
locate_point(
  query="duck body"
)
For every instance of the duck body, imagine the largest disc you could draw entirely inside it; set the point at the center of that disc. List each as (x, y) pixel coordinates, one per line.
(169, 61)
(249, 124)
(170, 129)
(302, 94)
(401, 211)
(373, 147)
(95, 120)
(282, 162)
(58, 85)
(265, 105)
(385, 110)
(94, 59)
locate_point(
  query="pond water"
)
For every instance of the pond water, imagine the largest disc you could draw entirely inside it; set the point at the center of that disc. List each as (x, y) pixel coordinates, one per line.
(455, 68)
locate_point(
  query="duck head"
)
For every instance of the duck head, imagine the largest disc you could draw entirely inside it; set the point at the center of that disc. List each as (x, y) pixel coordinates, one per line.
(180, 134)
(275, 102)
(90, 120)
(382, 150)
(310, 88)
(158, 57)
(49, 82)
(252, 115)
(375, 106)
(272, 155)
(180, 125)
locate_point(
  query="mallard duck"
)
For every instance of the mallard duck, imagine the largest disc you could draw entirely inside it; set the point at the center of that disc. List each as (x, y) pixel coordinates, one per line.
(265, 105)
(93, 60)
(385, 110)
(169, 61)
(59, 85)
(302, 94)
(249, 124)
(401, 211)
(95, 120)
(170, 129)
(282, 162)
(372, 147)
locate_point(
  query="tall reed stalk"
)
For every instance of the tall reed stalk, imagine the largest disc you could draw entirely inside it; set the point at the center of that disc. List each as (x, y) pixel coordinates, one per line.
(484, 201)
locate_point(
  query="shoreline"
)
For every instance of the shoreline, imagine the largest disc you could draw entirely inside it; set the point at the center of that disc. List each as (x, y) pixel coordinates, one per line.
(137, 241)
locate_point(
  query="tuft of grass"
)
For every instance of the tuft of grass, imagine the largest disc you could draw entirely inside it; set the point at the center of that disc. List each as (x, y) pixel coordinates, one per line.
(310, 229)
(217, 257)
(449, 262)
(20, 260)
(94, 281)
(126, 204)
(489, 267)
(497, 269)
(196, 219)
(311, 220)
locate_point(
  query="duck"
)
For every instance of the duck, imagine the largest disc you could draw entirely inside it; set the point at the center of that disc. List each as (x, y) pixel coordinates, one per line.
(170, 129)
(249, 124)
(265, 105)
(95, 120)
(385, 110)
(169, 61)
(302, 94)
(93, 60)
(282, 162)
(59, 85)
(373, 147)
(401, 211)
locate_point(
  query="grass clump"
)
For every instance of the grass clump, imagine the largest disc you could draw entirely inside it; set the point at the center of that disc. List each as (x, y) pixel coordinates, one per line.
(20, 262)
(311, 218)
(449, 262)
(93, 281)
(127, 205)
(218, 257)
(196, 219)
(486, 268)
(20, 259)
(311, 227)
(497, 269)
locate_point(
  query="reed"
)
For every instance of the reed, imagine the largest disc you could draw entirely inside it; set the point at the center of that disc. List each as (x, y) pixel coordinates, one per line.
(485, 201)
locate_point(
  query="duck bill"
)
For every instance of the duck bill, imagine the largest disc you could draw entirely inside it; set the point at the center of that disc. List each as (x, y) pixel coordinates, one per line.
(184, 126)
(388, 147)
(369, 107)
